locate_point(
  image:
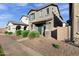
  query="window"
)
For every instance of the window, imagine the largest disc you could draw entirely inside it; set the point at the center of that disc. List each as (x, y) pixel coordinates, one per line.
(47, 10)
(9, 27)
(25, 27)
(18, 27)
(32, 16)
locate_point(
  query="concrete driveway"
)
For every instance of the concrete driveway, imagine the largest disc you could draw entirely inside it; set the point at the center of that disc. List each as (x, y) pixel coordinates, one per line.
(14, 48)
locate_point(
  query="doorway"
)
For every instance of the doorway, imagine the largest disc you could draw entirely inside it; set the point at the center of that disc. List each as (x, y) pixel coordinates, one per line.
(41, 28)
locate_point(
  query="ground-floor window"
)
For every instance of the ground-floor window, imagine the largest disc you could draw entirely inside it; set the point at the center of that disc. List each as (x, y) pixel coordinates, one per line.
(18, 27)
(9, 27)
(25, 27)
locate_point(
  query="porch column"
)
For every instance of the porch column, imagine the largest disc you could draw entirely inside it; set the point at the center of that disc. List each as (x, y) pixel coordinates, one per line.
(34, 27)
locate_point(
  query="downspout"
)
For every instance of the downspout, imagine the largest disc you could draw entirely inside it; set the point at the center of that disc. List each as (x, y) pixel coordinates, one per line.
(71, 14)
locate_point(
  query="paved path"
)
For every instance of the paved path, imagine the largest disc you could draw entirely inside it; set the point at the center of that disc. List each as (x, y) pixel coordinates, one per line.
(14, 48)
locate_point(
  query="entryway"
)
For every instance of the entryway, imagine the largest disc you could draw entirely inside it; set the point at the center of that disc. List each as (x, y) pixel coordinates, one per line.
(41, 28)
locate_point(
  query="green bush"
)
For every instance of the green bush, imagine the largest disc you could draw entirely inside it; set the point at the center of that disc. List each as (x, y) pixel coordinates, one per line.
(25, 33)
(33, 34)
(10, 33)
(55, 45)
(6, 32)
(1, 51)
(18, 32)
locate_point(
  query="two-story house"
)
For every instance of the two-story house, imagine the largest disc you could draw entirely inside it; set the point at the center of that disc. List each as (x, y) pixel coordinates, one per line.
(45, 19)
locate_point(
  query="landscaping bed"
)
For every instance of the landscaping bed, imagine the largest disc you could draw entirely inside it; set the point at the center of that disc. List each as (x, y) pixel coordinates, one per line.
(51, 47)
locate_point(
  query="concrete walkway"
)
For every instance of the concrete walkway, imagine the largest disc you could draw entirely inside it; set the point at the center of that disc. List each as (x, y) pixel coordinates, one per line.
(14, 48)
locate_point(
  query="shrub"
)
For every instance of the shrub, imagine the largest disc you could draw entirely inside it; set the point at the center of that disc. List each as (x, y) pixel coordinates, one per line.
(25, 33)
(18, 32)
(10, 33)
(33, 34)
(6, 32)
(55, 45)
(1, 51)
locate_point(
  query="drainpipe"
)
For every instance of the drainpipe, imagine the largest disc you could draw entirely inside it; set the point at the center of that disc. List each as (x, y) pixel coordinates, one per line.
(71, 13)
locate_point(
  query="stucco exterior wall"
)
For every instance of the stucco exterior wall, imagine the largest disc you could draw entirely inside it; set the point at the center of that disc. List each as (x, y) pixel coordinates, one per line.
(59, 33)
(25, 20)
(62, 33)
(43, 12)
(75, 19)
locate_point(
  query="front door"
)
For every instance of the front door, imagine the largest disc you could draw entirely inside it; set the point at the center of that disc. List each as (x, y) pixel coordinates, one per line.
(41, 28)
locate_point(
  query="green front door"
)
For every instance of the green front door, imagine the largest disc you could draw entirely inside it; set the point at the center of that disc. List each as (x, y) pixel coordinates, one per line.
(40, 29)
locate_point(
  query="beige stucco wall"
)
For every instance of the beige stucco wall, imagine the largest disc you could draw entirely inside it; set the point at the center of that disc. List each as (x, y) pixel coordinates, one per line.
(75, 18)
(62, 33)
(59, 33)
(11, 27)
(25, 20)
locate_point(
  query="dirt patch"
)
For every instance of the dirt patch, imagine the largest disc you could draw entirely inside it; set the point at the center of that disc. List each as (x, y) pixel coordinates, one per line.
(44, 46)
(14, 37)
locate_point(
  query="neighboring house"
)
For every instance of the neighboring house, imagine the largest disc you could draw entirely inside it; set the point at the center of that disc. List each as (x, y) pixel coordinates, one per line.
(12, 26)
(45, 19)
(74, 16)
(25, 20)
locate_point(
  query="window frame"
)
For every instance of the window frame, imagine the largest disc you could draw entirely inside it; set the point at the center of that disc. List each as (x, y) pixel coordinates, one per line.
(32, 16)
(47, 10)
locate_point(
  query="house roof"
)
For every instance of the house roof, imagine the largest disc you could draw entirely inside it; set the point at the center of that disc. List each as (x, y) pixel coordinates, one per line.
(42, 7)
(17, 23)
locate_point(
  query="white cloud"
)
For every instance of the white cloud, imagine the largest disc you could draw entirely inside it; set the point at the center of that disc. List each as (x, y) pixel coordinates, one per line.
(66, 12)
(39, 4)
(63, 7)
(3, 7)
(6, 17)
(22, 4)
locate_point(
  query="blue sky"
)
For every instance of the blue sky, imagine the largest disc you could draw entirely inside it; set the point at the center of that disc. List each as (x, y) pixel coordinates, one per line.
(14, 11)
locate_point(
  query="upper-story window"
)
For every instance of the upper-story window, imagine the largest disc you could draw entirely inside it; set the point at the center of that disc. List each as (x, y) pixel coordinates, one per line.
(47, 10)
(32, 16)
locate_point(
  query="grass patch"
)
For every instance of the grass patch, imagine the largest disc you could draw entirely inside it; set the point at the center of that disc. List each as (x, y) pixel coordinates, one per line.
(1, 51)
(56, 46)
